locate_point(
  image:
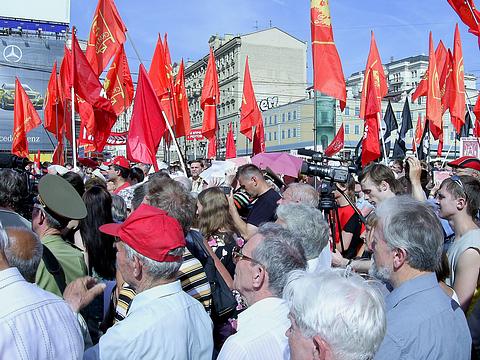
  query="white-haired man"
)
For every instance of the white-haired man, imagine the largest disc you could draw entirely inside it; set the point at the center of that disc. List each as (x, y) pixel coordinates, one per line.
(333, 317)
(300, 193)
(422, 321)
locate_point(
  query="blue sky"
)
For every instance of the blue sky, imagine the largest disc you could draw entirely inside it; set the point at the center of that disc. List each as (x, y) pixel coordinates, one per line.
(401, 26)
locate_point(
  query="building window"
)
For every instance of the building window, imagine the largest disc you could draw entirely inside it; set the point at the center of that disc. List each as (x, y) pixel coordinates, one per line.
(294, 132)
(289, 116)
(289, 134)
(275, 135)
(270, 120)
(294, 115)
(283, 134)
(357, 129)
(283, 117)
(347, 111)
(452, 134)
(410, 133)
(357, 111)
(347, 129)
(269, 136)
(398, 115)
(275, 119)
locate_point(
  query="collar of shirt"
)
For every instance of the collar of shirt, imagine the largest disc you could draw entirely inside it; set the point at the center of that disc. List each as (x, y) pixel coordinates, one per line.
(9, 276)
(270, 305)
(156, 292)
(48, 239)
(410, 287)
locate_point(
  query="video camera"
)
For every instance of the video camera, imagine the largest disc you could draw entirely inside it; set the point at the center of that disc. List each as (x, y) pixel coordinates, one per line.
(340, 174)
(10, 161)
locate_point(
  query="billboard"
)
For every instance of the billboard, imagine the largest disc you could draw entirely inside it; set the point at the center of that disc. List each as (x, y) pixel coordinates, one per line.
(30, 58)
(57, 11)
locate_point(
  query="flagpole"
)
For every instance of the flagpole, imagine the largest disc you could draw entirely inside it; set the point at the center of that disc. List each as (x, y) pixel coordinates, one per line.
(385, 157)
(48, 135)
(176, 146)
(446, 156)
(74, 140)
(428, 139)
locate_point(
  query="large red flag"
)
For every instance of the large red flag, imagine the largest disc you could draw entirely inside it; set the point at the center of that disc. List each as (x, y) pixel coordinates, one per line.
(147, 124)
(250, 115)
(53, 109)
(434, 104)
(327, 67)
(65, 77)
(230, 149)
(25, 118)
(107, 34)
(476, 111)
(418, 133)
(337, 143)
(88, 88)
(457, 95)
(212, 147)
(210, 98)
(182, 125)
(118, 83)
(374, 66)
(58, 157)
(259, 139)
(371, 140)
(468, 14)
(171, 82)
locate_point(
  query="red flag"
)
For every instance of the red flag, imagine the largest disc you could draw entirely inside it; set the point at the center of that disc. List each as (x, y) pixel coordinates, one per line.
(337, 143)
(327, 67)
(58, 153)
(212, 147)
(440, 145)
(250, 115)
(65, 77)
(230, 149)
(182, 125)
(172, 100)
(210, 98)
(371, 139)
(476, 111)
(434, 105)
(259, 139)
(445, 82)
(418, 133)
(36, 163)
(457, 96)
(118, 83)
(25, 118)
(107, 34)
(374, 66)
(147, 124)
(468, 14)
(53, 111)
(160, 81)
(88, 88)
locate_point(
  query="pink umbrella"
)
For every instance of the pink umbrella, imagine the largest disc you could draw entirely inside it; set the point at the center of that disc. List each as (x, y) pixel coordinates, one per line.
(279, 162)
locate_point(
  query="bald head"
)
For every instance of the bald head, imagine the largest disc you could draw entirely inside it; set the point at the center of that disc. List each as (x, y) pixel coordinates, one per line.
(23, 251)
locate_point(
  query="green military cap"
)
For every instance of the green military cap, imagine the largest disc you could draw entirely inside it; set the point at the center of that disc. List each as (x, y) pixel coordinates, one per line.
(61, 198)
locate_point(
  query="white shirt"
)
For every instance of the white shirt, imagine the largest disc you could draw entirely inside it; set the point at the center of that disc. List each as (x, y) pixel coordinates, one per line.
(260, 333)
(35, 324)
(322, 262)
(163, 322)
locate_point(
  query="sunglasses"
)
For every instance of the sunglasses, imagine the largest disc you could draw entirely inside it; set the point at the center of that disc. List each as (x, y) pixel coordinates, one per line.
(237, 255)
(456, 179)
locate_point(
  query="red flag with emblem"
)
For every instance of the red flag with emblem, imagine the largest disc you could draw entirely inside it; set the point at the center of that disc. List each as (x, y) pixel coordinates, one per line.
(250, 115)
(147, 125)
(118, 83)
(457, 94)
(418, 133)
(53, 111)
(259, 139)
(25, 118)
(434, 104)
(327, 68)
(337, 143)
(210, 99)
(107, 34)
(230, 149)
(374, 66)
(371, 140)
(182, 125)
(65, 76)
(469, 15)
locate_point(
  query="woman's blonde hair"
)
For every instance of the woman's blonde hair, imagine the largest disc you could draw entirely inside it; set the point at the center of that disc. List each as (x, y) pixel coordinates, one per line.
(215, 214)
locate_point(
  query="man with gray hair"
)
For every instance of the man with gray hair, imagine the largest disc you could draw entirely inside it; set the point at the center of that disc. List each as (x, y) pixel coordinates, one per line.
(34, 323)
(422, 321)
(333, 316)
(311, 229)
(163, 321)
(261, 272)
(300, 193)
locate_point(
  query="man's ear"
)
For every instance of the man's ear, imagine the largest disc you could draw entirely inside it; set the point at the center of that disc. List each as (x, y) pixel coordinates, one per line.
(322, 350)
(384, 186)
(461, 203)
(259, 276)
(399, 259)
(137, 268)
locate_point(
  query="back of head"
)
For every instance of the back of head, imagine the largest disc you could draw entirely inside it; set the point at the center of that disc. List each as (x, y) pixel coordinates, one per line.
(119, 209)
(279, 252)
(13, 189)
(413, 226)
(136, 176)
(308, 224)
(215, 214)
(303, 193)
(249, 170)
(348, 313)
(23, 250)
(76, 181)
(169, 195)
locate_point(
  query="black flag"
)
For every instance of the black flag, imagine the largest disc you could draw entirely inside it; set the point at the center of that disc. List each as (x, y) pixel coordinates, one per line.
(422, 150)
(400, 150)
(465, 129)
(390, 125)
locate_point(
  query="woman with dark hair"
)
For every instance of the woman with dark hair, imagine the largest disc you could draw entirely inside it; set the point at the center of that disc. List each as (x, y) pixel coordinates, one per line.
(216, 225)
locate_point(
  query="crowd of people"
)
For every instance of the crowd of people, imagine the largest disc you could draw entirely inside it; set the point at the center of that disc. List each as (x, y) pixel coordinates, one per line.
(112, 260)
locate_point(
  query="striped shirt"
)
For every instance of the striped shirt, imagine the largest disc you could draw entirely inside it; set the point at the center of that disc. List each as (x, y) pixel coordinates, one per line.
(194, 283)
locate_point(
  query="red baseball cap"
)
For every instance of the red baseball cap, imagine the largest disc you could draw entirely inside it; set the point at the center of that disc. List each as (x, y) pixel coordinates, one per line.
(151, 232)
(120, 161)
(88, 162)
(466, 162)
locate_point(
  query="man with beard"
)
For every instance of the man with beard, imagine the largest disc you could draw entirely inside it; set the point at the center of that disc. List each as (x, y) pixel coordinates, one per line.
(422, 321)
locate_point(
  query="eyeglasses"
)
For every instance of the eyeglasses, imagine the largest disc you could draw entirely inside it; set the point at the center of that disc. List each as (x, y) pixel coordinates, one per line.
(456, 179)
(238, 255)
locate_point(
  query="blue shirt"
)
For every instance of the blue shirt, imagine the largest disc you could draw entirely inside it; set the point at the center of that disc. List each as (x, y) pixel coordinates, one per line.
(163, 322)
(424, 323)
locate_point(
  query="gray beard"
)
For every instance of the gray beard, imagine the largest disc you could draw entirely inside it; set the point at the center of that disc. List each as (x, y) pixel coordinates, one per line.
(381, 273)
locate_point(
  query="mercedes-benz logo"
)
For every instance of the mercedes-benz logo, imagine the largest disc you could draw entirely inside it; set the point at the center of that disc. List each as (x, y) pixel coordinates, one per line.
(12, 53)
